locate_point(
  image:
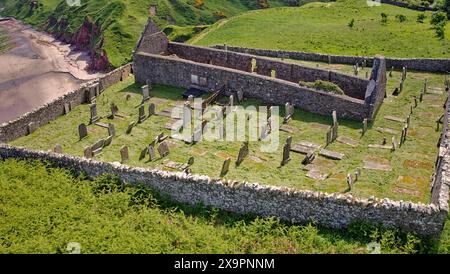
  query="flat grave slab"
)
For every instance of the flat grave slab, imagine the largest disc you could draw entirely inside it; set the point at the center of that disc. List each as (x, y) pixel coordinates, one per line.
(164, 113)
(305, 147)
(347, 141)
(319, 126)
(388, 130)
(288, 129)
(372, 165)
(256, 159)
(222, 155)
(101, 125)
(317, 175)
(380, 146)
(417, 164)
(331, 154)
(158, 101)
(395, 119)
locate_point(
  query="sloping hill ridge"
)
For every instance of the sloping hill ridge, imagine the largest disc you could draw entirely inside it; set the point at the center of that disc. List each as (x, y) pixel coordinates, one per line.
(345, 27)
(110, 29)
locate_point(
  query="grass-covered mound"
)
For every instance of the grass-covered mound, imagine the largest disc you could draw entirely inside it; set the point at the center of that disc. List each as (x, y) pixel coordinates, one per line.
(345, 27)
(324, 86)
(43, 209)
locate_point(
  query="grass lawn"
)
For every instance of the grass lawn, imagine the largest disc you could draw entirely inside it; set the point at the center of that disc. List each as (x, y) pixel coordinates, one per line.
(43, 209)
(412, 164)
(324, 28)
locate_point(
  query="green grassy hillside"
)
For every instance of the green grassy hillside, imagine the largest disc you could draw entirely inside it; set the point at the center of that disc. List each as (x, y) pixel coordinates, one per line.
(122, 21)
(43, 209)
(325, 28)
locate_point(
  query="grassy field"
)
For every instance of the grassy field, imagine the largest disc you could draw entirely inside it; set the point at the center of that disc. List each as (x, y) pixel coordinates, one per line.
(43, 209)
(324, 28)
(412, 164)
(122, 21)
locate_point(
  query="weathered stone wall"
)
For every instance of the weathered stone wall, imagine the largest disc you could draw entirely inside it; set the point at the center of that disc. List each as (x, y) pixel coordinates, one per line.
(376, 90)
(353, 86)
(406, 5)
(331, 210)
(169, 70)
(152, 40)
(421, 64)
(19, 127)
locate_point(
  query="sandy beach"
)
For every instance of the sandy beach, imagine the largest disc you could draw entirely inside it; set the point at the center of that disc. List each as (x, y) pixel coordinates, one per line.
(37, 70)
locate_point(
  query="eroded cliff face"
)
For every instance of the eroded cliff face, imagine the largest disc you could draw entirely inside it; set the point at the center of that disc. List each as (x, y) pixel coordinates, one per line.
(87, 37)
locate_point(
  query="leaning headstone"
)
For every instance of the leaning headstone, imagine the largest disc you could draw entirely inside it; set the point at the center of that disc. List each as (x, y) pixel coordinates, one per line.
(225, 166)
(145, 93)
(187, 115)
(243, 152)
(349, 181)
(93, 111)
(151, 152)
(108, 141)
(88, 152)
(114, 109)
(57, 149)
(163, 149)
(111, 130)
(309, 158)
(32, 127)
(143, 154)
(329, 137)
(130, 127)
(82, 131)
(125, 156)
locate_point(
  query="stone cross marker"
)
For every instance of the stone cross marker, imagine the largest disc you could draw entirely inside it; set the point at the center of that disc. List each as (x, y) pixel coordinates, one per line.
(57, 149)
(163, 149)
(93, 110)
(145, 93)
(243, 152)
(82, 131)
(111, 130)
(125, 156)
(142, 116)
(225, 166)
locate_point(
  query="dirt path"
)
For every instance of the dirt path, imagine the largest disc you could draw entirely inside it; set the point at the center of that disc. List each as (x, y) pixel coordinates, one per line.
(37, 70)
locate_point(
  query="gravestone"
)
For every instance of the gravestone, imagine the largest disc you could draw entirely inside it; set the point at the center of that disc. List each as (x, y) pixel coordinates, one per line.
(82, 131)
(108, 141)
(114, 109)
(163, 149)
(88, 152)
(124, 155)
(111, 130)
(286, 151)
(309, 158)
(187, 115)
(130, 127)
(329, 137)
(58, 149)
(128, 97)
(191, 99)
(350, 181)
(225, 166)
(425, 86)
(231, 102)
(145, 93)
(289, 112)
(151, 152)
(32, 127)
(142, 116)
(151, 110)
(364, 130)
(243, 152)
(98, 146)
(391, 71)
(66, 108)
(367, 75)
(421, 97)
(197, 136)
(240, 95)
(331, 154)
(93, 111)
(394, 144)
(263, 133)
(357, 174)
(401, 86)
(143, 154)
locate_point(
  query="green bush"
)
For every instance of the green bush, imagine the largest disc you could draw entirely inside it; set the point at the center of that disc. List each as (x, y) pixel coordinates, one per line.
(421, 18)
(400, 17)
(324, 86)
(384, 18)
(351, 23)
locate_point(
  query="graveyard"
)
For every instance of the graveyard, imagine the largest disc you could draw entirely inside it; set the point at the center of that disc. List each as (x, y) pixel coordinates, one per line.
(375, 163)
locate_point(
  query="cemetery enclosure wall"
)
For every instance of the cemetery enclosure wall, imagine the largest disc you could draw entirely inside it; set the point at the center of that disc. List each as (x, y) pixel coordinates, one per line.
(421, 64)
(177, 72)
(19, 127)
(331, 210)
(352, 86)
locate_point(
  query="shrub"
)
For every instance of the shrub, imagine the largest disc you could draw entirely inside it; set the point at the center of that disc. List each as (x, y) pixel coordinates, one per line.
(220, 14)
(439, 18)
(421, 17)
(401, 17)
(351, 23)
(384, 17)
(440, 31)
(324, 86)
(264, 4)
(198, 3)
